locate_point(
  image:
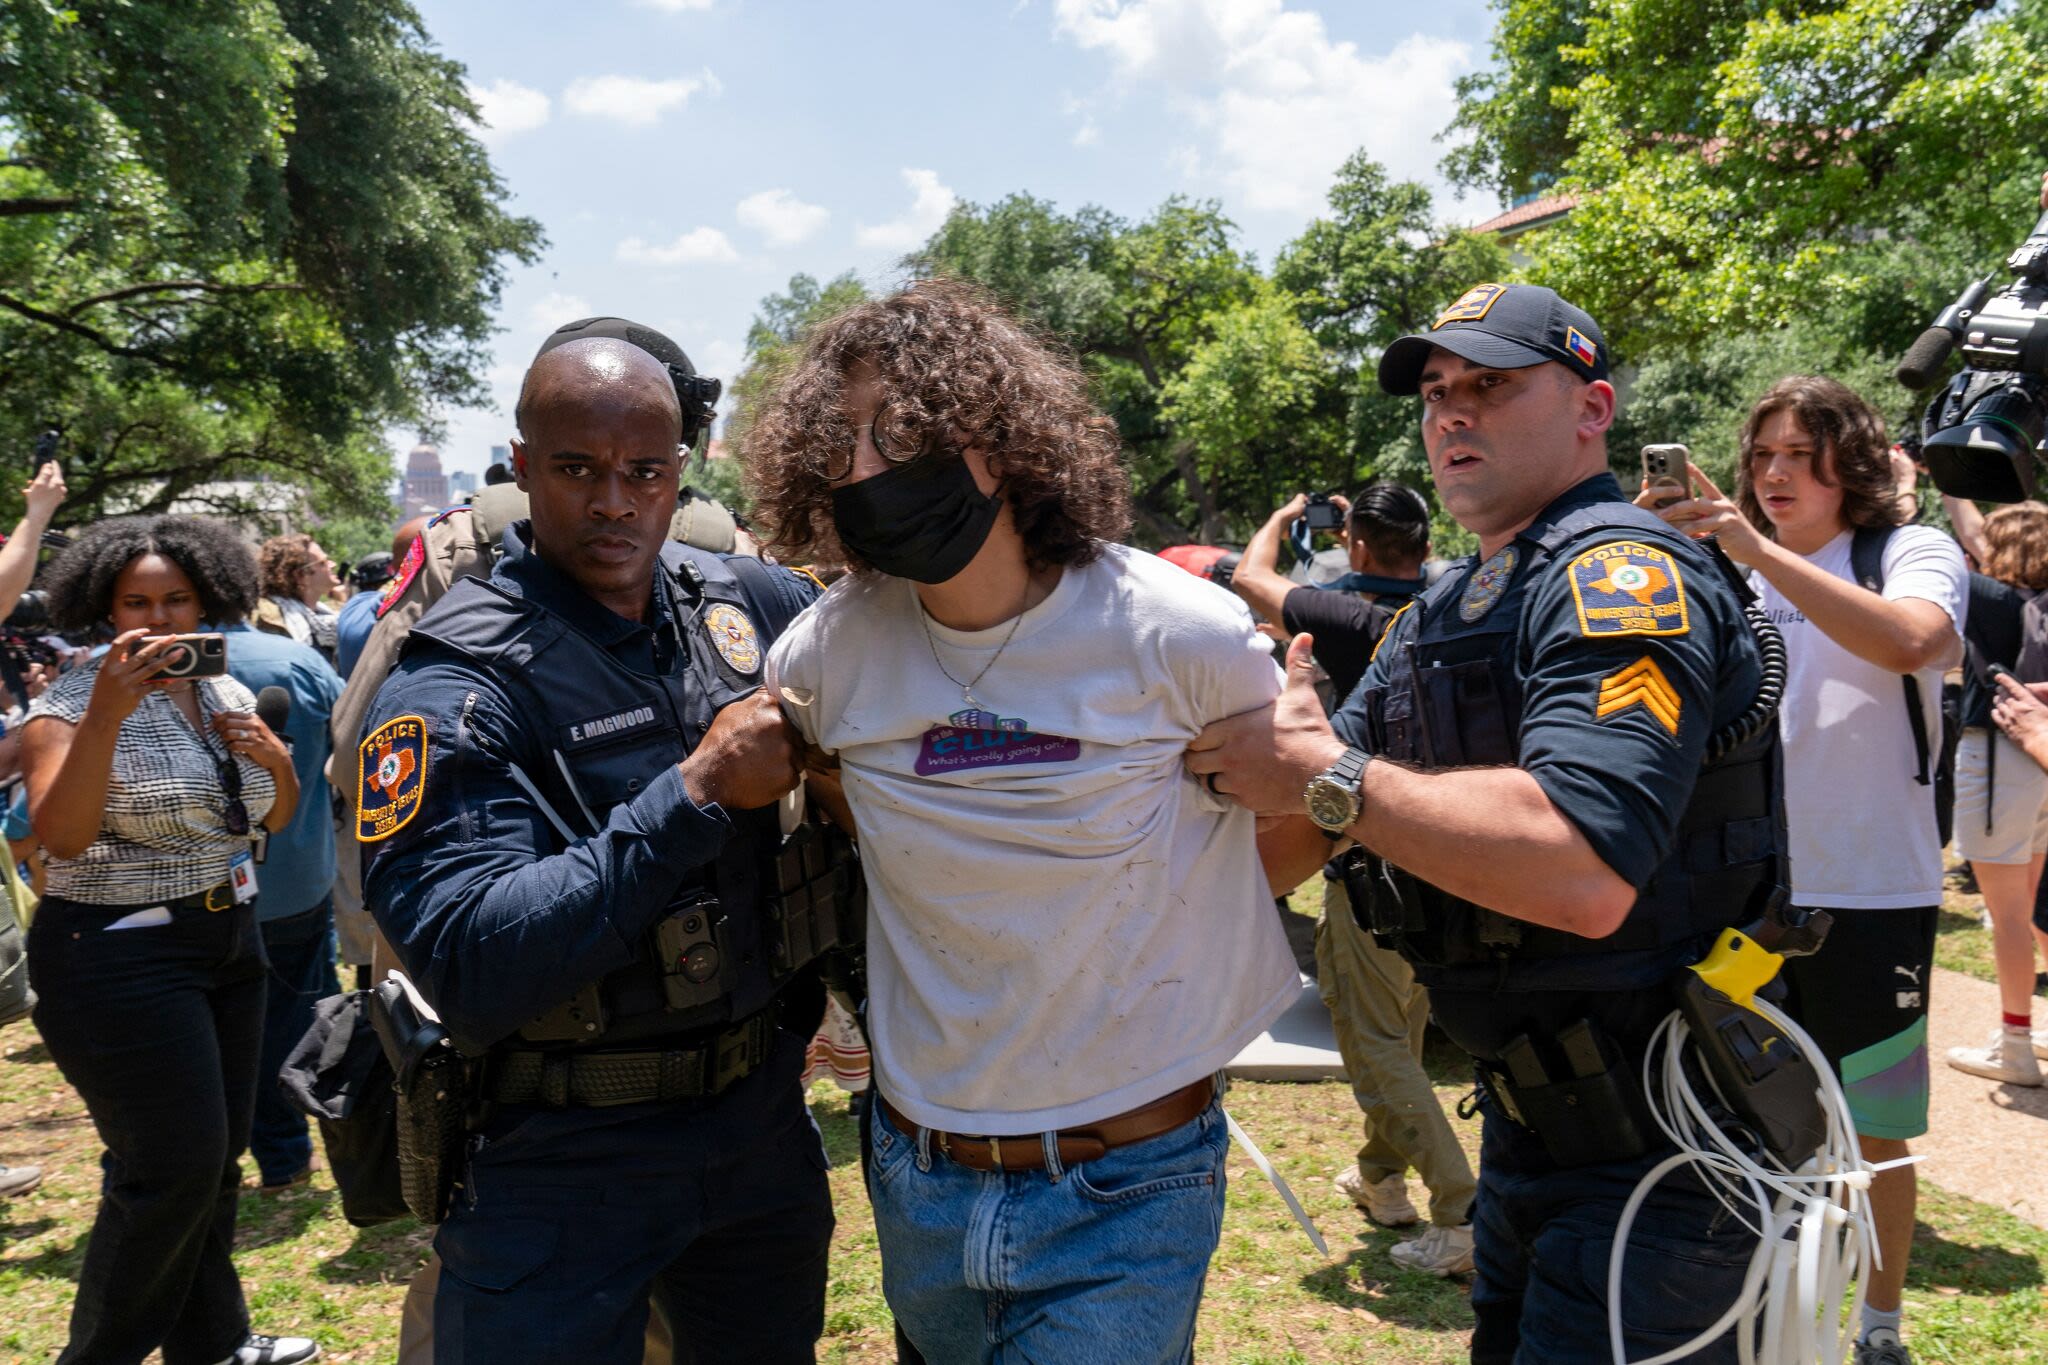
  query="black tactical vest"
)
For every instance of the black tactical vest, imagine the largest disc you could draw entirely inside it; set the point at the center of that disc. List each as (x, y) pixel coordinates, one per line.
(742, 926)
(1453, 699)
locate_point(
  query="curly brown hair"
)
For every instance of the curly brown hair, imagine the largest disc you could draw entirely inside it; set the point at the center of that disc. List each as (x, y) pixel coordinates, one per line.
(951, 361)
(2016, 545)
(282, 559)
(1852, 451)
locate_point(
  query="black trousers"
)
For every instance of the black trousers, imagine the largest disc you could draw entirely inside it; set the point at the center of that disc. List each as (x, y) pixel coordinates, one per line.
(569, 1221)
(158, 1029)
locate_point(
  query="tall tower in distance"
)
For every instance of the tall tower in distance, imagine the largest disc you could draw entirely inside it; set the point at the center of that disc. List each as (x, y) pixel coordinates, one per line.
(426, 487)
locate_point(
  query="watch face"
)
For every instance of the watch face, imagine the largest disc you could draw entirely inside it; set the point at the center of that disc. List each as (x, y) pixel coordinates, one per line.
(1331, 804)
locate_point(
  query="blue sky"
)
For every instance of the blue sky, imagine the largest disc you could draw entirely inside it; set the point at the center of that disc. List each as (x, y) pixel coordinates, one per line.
(686, 157)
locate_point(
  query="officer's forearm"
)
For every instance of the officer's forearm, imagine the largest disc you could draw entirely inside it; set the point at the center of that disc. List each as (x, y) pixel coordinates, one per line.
(1493, 837)
(496, 936)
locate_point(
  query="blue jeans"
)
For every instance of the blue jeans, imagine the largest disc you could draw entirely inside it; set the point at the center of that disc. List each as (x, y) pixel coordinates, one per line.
(1099, 1262)
(1541, 1237)
(301, 951)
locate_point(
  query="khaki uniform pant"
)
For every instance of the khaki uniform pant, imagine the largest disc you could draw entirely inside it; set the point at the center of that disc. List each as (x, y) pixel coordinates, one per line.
(1379, 1013)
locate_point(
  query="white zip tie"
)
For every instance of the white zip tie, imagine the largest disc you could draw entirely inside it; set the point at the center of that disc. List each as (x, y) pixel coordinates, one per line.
(1294, 1207)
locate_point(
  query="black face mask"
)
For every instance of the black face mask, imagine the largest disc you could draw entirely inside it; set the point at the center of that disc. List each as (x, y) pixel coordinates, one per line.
(924, 520)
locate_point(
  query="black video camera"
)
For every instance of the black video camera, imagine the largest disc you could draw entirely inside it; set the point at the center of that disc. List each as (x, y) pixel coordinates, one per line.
(1982, 429)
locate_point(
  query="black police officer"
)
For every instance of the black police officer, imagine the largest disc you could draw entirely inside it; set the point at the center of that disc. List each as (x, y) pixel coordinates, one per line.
(569, 804)
(1564, 789)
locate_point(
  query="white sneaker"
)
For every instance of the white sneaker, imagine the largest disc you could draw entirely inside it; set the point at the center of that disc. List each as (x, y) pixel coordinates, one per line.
(2006, 1059)
(1440, 1251)
(2041, 1043)
(1385, 1201)
(262, 1350)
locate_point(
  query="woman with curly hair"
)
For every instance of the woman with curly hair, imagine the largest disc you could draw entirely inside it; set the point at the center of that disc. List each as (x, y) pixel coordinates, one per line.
(1069, 937)
(297, 577)
(1816, 521)
(146, 793)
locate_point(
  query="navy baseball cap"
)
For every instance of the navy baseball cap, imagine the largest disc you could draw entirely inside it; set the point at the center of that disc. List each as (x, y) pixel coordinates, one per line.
(1506, 326)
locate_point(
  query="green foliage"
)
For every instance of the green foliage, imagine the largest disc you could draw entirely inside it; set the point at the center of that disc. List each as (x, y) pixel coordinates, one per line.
(772, 344)
(1233, 388)
(307, 251)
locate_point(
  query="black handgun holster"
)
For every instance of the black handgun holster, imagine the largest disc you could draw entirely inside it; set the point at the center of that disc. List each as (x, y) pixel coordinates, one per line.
(432, 1085)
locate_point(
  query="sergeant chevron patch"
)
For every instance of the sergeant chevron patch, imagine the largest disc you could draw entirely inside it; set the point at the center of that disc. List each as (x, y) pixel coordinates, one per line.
(1641, 683)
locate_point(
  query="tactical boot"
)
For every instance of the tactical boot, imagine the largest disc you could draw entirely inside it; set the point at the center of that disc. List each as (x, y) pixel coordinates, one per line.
(1385, 1200)
(1440, 1251)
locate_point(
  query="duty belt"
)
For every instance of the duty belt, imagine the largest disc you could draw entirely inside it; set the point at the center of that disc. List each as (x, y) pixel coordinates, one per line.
(597, 1080)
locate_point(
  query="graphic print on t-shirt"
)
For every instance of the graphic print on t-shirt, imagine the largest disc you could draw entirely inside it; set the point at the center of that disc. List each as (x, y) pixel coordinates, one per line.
(981, 739)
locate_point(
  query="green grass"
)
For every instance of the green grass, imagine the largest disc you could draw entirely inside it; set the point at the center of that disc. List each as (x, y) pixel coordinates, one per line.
(1974, 1294)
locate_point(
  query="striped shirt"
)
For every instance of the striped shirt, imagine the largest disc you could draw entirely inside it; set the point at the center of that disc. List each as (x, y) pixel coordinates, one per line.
(164, 831)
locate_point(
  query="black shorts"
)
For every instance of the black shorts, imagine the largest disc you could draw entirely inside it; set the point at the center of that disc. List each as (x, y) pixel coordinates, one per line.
(1863, 997)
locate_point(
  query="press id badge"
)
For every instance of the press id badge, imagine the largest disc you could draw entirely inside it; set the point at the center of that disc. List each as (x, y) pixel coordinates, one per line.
(242, 877)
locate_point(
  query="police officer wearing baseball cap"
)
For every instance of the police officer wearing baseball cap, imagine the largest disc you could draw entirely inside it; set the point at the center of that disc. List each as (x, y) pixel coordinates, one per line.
(1562, 788)
(568, 809)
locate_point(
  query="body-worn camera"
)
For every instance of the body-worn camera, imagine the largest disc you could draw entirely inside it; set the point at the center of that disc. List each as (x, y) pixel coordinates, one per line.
(192, 656)
(1982, 429)
(1322, 514)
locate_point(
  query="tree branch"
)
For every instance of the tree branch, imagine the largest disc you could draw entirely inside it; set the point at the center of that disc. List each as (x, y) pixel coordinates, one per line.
(165, 286)
(18, 208)
(96, 337)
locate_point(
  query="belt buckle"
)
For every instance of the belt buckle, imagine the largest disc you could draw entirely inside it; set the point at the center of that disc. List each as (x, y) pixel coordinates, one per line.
(995, 1152)
(228, 891)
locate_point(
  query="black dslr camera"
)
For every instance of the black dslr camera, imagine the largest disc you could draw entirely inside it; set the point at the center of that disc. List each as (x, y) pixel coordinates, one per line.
(1982, 429)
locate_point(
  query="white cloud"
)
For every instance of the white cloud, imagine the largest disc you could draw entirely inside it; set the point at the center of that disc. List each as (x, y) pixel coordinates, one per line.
(1087, 135)
(1281, 102)
(506, 107)
(633, 100)
(781, 217)
(698, 246)
(673, 6)
(556, 309)
(929, 205)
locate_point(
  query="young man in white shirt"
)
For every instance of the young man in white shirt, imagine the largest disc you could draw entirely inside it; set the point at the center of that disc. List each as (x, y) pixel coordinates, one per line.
(1814, 475)
(1068, 936)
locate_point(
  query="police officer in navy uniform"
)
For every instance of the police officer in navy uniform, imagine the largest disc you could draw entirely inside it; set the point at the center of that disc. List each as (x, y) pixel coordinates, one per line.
(1562, 771)
(570, 805)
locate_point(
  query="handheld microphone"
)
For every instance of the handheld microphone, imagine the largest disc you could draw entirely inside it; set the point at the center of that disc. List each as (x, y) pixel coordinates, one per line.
(274, 708)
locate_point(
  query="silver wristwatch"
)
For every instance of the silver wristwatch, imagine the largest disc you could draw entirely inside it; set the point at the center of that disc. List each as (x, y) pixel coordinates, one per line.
(1336, 795)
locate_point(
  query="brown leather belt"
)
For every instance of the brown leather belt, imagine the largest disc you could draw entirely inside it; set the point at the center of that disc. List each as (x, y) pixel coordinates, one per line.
(981, 1152)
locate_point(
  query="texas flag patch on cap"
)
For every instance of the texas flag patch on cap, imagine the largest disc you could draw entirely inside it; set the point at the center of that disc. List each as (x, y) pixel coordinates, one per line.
(1583, 351)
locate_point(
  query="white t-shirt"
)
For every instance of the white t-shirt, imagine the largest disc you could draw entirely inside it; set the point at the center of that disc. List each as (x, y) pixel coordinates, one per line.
(1062, 924)
(1863, 833)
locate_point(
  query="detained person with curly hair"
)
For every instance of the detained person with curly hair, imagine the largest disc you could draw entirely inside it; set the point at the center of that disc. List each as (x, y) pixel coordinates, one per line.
(1068, 936)
(147, 793)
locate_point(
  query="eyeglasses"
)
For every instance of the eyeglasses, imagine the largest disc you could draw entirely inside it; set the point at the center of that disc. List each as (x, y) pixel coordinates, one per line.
(896, 440)
(234, 815)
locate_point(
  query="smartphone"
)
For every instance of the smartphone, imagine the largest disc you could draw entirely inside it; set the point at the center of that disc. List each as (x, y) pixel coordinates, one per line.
(193, 656)
(46, 451)
(1322, 514)
(1664, 470)
(1997, 671)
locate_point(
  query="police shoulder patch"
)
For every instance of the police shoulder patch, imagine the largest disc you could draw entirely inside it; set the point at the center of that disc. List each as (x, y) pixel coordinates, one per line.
(1628, 588)
(394, 778)
(733, 635)
(409, 569)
